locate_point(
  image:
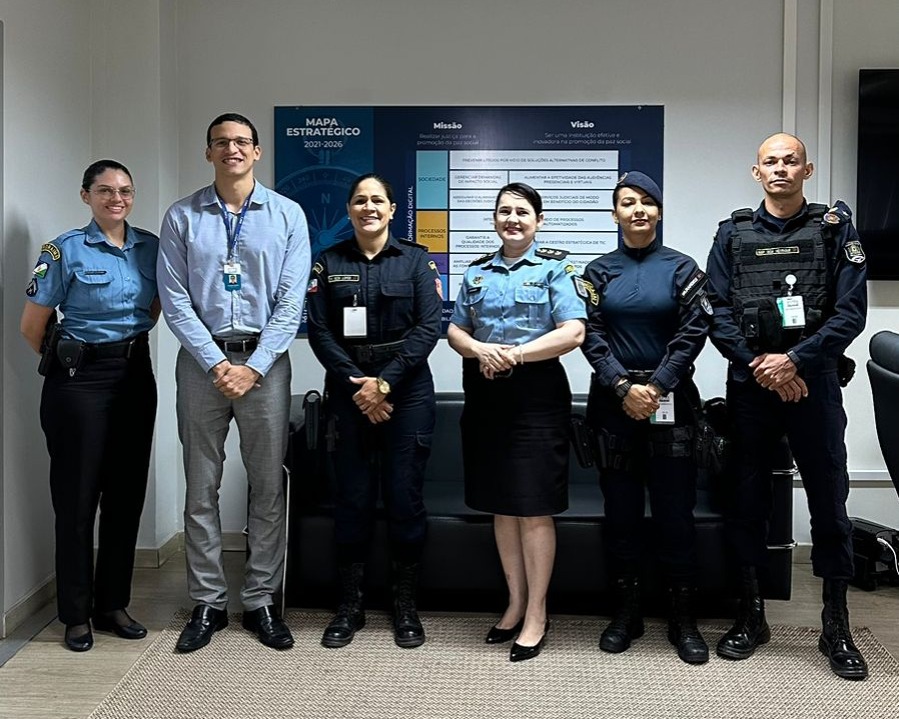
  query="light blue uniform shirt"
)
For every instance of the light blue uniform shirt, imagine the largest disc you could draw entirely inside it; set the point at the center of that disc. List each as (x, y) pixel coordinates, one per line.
(104, 292)
(517, 304)
(273, 252)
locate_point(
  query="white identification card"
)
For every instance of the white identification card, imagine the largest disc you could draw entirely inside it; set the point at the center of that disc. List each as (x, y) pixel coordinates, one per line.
(792, 311)
(354, 322)
(665, 413)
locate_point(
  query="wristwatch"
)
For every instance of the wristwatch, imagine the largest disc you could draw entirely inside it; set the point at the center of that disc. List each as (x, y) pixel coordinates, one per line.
(622, 388)
(383, 385)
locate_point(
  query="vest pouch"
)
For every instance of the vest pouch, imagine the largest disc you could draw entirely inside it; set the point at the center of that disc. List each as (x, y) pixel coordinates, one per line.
(761, 324)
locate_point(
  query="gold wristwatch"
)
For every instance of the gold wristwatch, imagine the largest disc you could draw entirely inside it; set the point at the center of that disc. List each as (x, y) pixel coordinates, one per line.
(383, 385)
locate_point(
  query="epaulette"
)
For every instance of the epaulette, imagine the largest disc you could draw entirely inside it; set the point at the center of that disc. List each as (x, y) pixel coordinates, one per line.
(744, 214)
(482, 259)
(142, 231)
(412, 244)
(550, 253)
(839, 214)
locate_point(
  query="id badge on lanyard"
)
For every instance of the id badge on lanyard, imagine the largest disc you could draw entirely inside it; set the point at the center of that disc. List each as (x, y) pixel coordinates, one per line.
(231, 274)
(665, 413)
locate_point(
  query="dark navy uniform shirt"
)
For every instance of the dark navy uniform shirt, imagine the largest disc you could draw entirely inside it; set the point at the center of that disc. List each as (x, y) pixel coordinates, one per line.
(639, 318)
(104, 292)
(401, 293)
(822, 348)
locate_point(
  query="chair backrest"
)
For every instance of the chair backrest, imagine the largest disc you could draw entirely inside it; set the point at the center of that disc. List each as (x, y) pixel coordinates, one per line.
(883, 370)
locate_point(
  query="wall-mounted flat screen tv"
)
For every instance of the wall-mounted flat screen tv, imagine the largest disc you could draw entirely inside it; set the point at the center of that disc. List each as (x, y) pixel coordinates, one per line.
(877, 205)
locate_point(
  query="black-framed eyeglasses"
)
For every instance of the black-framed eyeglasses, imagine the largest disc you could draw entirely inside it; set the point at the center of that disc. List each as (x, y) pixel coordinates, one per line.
(223, 143)
(107, 193)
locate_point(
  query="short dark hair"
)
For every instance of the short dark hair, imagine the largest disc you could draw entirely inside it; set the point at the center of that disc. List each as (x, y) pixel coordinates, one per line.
(231, 117)
(522, 190)
(95, 169)
(388, 189)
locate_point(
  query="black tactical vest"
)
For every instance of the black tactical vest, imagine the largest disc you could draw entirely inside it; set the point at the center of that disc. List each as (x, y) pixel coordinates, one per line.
(761, 262)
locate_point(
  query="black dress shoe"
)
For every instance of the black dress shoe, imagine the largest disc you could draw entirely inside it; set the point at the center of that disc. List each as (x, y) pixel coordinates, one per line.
(498, 636)
(520, 653)
(204, 622)
(269, 627)
(120, 623)
(79, 637)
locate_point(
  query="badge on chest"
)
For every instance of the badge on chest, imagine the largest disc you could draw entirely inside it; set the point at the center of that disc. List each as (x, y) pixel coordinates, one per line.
(231, 276)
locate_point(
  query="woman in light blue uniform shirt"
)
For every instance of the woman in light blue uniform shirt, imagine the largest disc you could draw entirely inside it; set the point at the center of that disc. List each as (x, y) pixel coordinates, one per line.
(517, 312)
(98, 403)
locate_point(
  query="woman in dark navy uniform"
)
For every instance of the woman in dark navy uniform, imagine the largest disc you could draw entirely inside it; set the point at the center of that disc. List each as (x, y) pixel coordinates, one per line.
(517, 312)
(647, 322)
(98, 410)
(374, 306)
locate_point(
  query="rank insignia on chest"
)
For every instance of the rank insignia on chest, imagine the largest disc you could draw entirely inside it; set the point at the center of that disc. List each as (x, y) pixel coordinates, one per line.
(854, 252)
(705, 304)
(477, 279)
(586, 290)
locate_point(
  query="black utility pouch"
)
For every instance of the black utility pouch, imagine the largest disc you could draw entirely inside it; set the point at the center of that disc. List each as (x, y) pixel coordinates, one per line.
(70, 353)
(582, 441)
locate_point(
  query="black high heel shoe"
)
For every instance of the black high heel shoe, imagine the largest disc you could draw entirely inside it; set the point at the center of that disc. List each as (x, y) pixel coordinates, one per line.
(520, 653)
(498, 636)
(79, 637)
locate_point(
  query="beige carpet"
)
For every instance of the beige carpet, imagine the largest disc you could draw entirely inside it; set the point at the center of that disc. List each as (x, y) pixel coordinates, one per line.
(455, 675)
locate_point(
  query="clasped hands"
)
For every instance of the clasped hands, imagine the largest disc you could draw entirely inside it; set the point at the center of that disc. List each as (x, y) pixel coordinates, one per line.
(370, 401)
(495, 359)
(778, 373)
(641, 401)
(234, 380)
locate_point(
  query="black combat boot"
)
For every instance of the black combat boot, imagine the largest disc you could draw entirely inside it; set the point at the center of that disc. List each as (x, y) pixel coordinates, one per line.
(627, 622)
(682, 630)
(836, 643)
(750, 629)
(407, 629)
(350, 616)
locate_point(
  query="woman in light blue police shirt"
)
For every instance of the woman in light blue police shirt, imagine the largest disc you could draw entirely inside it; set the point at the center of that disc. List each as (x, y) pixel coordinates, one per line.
(517, 312)
(98, 404)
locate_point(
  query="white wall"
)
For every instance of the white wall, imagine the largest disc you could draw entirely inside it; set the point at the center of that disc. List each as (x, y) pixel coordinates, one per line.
(163, 69)
(47, 133)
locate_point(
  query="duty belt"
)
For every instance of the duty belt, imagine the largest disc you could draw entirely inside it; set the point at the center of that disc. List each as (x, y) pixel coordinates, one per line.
(231, 344)
(114, 350)
(640, 376)
(375, 353)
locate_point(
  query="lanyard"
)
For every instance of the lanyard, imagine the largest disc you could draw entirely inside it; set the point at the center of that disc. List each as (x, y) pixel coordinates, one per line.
(232, 236)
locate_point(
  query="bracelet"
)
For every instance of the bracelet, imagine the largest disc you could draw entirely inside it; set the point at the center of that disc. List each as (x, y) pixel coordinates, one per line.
(520, 355)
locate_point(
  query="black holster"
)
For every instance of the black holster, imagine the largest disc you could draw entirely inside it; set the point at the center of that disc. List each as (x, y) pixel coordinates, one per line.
(582, 441)
(48, 344)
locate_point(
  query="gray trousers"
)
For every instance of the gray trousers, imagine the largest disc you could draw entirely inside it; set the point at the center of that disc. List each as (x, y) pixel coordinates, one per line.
(204, 416)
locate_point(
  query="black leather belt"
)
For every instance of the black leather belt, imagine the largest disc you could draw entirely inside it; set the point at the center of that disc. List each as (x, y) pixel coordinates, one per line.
(247, 344)
(640, 376)
(115, 350)
(375, 353)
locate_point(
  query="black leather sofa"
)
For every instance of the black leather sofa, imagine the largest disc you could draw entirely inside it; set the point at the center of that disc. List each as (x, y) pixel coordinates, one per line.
(461, 570)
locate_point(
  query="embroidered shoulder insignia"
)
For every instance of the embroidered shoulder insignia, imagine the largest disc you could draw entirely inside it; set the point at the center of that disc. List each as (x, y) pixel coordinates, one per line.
(585, 290)
(695, 284)
(854, 252)
(51, 250)
(317, 268)
(550, 253)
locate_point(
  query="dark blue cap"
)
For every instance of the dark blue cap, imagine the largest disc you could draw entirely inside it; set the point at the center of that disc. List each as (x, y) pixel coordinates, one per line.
(640, 181)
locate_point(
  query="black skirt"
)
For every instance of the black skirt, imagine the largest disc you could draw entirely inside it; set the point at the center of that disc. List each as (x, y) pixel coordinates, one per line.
(515, 439)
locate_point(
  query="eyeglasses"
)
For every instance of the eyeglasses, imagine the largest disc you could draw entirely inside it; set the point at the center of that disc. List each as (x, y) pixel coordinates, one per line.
(223, 143)
(107, 193)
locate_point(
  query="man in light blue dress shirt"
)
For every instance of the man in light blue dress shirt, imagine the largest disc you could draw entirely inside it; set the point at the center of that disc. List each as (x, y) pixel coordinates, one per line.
(232, 274)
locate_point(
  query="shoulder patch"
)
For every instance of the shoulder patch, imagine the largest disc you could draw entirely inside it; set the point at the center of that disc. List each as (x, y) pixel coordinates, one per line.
(31, 290)
(432, 265)
(585, 290)
(51, 250)
(481, 260)
(854, 252)
(839, 214)
(550, 253)
(313, 286)
(694, 285)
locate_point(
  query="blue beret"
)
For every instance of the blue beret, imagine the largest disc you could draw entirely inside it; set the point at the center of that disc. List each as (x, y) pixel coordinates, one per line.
(641, 181)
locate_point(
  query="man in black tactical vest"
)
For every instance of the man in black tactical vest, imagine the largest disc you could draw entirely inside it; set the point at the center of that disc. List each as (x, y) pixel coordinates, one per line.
(789, 296)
